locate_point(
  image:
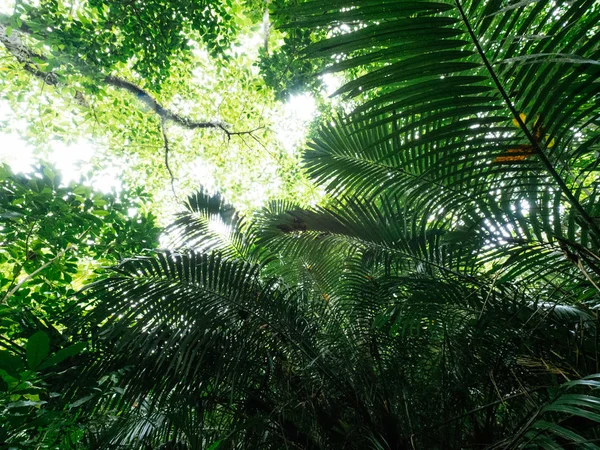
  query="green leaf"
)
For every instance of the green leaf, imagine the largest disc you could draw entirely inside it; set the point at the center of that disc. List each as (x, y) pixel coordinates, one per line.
(24, 404)
(81, 401)
(10, 363)
(561, 431)
(573, 410)
(38, 347)
(62, 354)
(49, 173)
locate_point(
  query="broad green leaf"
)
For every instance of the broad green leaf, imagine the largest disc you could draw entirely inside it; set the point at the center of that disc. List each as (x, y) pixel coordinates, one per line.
(81, 401)
(12, 364)
(38, 347)
(62, 354)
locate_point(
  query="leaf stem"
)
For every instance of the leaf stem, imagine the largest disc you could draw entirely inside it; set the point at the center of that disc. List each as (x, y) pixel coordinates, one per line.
(535, 144)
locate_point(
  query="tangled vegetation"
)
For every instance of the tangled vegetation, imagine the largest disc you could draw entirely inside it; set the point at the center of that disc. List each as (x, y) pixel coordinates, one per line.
(442, 293)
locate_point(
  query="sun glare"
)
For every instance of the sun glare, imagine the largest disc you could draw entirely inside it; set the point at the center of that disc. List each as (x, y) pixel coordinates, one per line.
(7, 6)
(302, 107)
(73, 161)
(16, 153)
(294, 118)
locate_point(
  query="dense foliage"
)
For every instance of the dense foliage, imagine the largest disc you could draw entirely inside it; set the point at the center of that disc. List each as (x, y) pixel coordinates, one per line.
(106, 76)
(443, 295)
(150, 31)
(53, 239)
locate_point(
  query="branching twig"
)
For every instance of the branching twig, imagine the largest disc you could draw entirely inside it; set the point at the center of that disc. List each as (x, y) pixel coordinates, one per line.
(27, 58)
(163, 126)
(32, 274)
(241, 133)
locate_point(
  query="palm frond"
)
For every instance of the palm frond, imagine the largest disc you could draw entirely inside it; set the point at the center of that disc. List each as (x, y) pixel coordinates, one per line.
(441, 83)
(210, 223)
(554, 427)
(446, 284)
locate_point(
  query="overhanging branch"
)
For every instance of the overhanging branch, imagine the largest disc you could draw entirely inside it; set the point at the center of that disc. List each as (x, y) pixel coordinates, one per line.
(28, 59)
(25, 56)
(147, 99)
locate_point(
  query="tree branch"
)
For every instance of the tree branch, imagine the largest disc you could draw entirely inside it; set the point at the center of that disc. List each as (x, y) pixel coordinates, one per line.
(27, 58)
(163, 127)
(10, 293)
(147, 99)
(266, 27)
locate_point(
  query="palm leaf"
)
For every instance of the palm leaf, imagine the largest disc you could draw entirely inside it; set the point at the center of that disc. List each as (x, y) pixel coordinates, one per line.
(584, 407)
(210, 223)
(411, 78)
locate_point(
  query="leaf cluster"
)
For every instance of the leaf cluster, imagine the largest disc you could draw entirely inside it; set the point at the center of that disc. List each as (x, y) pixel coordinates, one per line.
(53, 238)
(149, 34)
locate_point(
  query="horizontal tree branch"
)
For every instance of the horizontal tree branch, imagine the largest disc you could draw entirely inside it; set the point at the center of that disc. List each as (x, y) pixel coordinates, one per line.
(147, 99)
(28, 59)
(25, 56)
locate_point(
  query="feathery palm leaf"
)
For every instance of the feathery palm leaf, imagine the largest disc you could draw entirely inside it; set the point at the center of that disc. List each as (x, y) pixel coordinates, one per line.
(438, 298)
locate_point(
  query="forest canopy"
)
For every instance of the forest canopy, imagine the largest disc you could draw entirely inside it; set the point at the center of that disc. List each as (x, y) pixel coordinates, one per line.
(333, 224)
